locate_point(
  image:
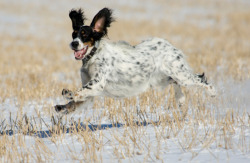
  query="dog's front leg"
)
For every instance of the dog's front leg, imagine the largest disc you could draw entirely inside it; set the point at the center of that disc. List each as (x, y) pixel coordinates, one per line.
(93, 88)
(72, 106)
(82, 97)
(95, 85)
(67, 108)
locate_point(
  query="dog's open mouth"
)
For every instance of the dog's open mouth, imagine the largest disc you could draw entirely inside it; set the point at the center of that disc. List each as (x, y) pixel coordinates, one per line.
(79, 54)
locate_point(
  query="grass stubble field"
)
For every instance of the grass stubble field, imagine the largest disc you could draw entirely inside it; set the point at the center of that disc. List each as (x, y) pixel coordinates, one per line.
(36, 64)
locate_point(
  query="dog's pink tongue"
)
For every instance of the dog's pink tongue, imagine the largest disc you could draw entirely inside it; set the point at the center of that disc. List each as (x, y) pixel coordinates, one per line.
(79, 54)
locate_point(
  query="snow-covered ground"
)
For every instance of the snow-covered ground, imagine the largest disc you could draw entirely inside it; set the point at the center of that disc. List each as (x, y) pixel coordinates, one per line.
(154, 143)
(148, 146)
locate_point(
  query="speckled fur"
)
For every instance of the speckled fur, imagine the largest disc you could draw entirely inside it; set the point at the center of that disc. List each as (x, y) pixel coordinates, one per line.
(120, 70)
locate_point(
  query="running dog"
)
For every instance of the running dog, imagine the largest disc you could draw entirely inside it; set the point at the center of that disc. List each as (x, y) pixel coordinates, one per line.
(120, 70)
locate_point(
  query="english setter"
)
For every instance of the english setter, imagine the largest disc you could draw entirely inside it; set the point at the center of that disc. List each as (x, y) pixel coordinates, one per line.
(120, 70)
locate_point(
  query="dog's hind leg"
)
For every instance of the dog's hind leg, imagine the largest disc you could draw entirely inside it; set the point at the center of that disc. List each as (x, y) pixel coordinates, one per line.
(186, 78)
(175, 67)
(179, 96)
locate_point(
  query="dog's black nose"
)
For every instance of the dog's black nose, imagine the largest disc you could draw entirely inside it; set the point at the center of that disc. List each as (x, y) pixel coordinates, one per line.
(74, 44)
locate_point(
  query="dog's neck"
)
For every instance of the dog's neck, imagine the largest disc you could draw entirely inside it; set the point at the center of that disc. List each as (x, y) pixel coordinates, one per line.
(92, 52)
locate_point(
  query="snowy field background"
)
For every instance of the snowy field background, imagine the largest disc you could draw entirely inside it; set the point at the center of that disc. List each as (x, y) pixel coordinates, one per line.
(36, 64)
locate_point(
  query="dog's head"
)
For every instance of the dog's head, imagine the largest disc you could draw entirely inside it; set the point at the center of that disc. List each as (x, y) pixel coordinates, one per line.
(84, 36)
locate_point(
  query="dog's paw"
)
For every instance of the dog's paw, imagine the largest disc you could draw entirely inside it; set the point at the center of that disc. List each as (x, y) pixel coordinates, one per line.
(66, 109)
(181, 101)
(211, 91)
(61, 109)
(67, 94)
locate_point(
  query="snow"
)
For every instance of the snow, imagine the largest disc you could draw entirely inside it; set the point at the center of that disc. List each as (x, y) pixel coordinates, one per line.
(170, 148)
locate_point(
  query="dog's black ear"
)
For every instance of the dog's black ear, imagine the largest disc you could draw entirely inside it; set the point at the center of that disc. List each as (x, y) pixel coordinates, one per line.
(77, 18)
(102, 21)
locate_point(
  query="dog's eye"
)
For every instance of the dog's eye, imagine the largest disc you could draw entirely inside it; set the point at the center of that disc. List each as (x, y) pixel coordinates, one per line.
(83, 32)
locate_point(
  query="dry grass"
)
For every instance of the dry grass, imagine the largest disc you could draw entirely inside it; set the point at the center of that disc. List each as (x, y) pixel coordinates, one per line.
(34, 66)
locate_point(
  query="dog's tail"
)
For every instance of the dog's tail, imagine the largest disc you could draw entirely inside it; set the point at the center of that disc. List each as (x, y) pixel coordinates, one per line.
(203, 78)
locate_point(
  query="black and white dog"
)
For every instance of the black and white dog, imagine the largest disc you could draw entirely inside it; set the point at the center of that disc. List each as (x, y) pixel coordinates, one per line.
(120, 70)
